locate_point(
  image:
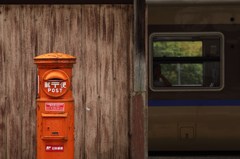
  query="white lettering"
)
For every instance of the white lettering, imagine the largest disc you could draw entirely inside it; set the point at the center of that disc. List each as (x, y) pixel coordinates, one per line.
(55, 148)
(55, 87)
(48, 147)
(63, 85)
(47, 84)
(55, 84)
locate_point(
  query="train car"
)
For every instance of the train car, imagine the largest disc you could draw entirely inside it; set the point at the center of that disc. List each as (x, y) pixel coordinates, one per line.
(194, 76)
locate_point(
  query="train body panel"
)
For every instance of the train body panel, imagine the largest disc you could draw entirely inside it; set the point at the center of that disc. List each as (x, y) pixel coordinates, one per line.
(194, 128)
(200, 120)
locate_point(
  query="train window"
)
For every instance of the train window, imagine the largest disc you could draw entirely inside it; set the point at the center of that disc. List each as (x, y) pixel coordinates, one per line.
(186, 61)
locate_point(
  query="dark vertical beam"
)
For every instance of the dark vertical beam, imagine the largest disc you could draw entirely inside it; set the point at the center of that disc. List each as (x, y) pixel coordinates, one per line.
(138, 135)
(139, 46)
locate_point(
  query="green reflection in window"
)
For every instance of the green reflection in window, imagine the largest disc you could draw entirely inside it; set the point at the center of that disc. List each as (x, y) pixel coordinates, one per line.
(177, 48)
(183, 74)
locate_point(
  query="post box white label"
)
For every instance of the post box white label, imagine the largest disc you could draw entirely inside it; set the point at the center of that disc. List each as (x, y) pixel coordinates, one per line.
(54, 106)
(55, 86)
(54, 148)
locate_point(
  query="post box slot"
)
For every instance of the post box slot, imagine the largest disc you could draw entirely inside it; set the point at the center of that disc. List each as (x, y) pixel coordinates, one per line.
(55, 133)
(55, 75)
(55, 80)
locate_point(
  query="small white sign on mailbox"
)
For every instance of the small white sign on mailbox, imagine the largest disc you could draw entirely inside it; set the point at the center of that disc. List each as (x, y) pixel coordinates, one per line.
(54, 106)
(54, 148)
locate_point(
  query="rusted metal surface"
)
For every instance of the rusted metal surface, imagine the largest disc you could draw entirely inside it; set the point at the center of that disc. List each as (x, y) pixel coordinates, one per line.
(100, 36)
(138, 128)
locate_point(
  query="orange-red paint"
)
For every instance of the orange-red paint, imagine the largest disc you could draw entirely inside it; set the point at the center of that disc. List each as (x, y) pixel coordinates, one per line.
(55, 107)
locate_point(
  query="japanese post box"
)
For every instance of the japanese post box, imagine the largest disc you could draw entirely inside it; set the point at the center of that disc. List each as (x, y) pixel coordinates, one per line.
(55, 106)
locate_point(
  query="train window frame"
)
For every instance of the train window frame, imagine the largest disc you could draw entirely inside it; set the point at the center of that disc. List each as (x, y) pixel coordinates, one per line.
(188, 36)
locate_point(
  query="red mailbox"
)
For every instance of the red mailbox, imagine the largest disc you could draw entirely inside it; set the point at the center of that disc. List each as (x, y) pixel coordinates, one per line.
(55, 106)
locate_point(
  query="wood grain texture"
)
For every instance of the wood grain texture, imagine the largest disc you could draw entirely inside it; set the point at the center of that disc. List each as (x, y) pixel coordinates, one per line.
(122, 26)
(27, 82)
(42, 29)
(140, 69)
(105, 82)
(89, 34)
(2, 92)
(67, 2)
(100, 36)
(13, 82)
(74, 32)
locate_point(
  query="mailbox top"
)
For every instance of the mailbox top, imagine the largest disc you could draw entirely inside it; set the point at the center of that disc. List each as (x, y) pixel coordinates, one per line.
(55, 55)
(55, 58)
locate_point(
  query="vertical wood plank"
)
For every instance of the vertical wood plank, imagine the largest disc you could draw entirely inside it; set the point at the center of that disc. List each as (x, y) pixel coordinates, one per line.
(73, 46)
(2, 90)
(90, 23)
(58, 28)
(121, 82)
(139, 42)
(105, 82)
(131, 73)
(42, 24)
(28, 81)
(72, 32)
(13, 83)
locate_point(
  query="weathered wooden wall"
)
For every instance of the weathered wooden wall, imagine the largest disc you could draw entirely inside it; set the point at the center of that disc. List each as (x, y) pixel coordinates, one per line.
(101, 37)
